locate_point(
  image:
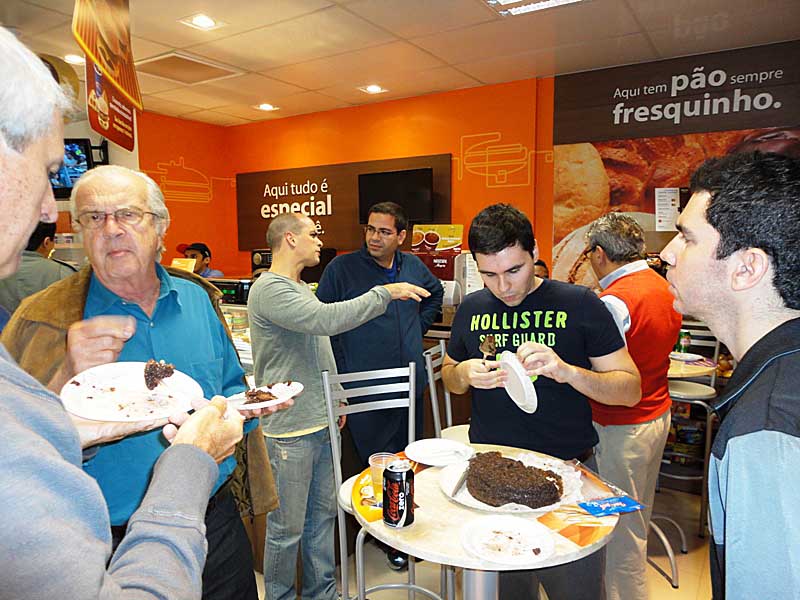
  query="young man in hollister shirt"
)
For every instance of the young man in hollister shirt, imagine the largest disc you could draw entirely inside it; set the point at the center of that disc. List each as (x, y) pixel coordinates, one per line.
(561, 333)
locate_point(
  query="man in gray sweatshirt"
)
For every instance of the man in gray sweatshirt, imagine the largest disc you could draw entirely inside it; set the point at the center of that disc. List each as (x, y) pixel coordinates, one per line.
(289, 329)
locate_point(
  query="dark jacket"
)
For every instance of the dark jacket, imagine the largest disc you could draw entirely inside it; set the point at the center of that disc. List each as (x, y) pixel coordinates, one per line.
(753, 484)
(391, 340)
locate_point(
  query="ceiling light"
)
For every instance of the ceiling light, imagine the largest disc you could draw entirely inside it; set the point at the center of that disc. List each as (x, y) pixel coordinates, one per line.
(373, 89)
(266, 106)
(75, 59)
(525, 8)
(202, 22)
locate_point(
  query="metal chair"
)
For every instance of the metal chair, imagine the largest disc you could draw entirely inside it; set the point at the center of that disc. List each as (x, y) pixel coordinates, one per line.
(402, 396)
(673, 565)
(434, 357)
(693, 393)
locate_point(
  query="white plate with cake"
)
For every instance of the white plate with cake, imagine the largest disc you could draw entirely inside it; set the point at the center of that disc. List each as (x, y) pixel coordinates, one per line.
(508, 540)
(266, 395)
(129, 392)
(523, 483)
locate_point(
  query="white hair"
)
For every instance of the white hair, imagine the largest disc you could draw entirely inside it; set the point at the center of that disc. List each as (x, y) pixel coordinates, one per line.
(29, 95)
(155, 198)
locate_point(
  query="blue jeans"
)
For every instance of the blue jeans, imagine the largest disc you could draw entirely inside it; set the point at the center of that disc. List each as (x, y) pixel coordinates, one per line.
(303, 470)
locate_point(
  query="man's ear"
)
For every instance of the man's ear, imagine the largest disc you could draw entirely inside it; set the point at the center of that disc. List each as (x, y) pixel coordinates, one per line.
(535, 251)
(401, 237)
(750, 266)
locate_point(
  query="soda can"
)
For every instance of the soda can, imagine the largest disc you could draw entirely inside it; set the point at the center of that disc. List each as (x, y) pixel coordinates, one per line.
(398, 494)
(684, 340)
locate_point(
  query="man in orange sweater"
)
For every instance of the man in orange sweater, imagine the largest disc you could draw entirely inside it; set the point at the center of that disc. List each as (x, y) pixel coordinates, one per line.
(632, 438)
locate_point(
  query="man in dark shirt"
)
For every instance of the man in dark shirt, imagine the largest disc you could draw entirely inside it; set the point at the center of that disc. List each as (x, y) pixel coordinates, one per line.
(562, 334)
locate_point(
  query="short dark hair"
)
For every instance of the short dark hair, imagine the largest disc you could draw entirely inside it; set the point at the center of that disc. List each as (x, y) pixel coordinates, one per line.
(42, 231)
(755, 203)
(498, 227)
(394, 209)
(620, 237)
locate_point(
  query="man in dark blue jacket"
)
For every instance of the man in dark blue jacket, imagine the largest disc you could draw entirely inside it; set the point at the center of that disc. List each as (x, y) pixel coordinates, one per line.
(391, 340)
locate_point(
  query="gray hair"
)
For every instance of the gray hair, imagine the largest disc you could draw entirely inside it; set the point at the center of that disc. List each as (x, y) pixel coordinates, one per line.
(280, 225)
(620, 237)
(155, 198)
(29, 95)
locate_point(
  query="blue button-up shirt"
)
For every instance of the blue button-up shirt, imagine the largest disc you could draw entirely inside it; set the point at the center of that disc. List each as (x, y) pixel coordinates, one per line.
(184, 330)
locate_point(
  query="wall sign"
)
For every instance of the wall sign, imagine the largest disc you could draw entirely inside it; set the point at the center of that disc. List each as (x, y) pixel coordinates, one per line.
(737, 89)
(328, 195)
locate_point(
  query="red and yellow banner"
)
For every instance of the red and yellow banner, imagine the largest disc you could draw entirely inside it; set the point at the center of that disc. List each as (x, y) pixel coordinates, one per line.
(110, 112)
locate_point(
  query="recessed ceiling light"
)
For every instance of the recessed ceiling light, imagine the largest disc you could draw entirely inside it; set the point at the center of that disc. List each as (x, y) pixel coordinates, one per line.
(202, 22)
(267, 107)
(521, 9)
(74, 59)
(373, 89)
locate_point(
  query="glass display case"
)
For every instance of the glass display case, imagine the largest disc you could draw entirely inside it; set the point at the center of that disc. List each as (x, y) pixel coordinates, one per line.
(236, 317)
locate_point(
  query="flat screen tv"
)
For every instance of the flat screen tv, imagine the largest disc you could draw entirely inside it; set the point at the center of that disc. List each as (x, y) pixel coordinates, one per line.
(412, 189)
(77, 160)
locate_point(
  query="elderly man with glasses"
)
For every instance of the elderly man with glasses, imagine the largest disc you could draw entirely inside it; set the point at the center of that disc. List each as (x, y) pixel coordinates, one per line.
(124, 306)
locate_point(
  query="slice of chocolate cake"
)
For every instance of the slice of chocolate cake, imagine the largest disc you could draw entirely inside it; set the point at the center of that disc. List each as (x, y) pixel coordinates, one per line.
(255, 396)
(154, 372)
(496, 480)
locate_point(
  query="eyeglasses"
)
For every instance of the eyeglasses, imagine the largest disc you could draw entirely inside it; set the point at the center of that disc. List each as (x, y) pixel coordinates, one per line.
(384, 233)
(94, 219)
(589, 250)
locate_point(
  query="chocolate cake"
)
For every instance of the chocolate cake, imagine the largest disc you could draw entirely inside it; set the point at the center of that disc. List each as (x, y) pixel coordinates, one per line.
(154, 372)
(255, 396)
(495, 480)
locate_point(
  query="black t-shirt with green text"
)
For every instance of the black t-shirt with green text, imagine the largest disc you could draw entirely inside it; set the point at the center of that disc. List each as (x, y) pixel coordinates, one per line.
(573, 321)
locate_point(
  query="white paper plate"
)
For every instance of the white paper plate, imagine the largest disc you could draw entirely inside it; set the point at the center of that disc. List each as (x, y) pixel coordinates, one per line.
(438, 452)
(685, 356)
(570, 476)
(281, 391)
(117, 392)
(518, 383)
(508, 540)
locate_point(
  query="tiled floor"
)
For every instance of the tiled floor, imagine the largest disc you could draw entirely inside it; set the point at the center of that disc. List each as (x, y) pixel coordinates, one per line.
(694, 580)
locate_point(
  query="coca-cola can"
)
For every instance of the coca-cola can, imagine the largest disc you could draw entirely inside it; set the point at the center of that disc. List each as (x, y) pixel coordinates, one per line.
(398, 494)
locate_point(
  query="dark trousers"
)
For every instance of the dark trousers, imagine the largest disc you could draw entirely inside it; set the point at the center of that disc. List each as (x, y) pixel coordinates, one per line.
(583, 579)
(579, 580)
(228, 574)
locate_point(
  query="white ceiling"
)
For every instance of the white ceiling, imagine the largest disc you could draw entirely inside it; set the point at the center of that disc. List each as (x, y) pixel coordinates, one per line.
(311, 55)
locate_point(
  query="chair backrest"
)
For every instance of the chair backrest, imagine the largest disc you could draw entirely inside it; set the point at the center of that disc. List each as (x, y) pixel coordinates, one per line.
(702, 337)
(434, 357)
(402, 396)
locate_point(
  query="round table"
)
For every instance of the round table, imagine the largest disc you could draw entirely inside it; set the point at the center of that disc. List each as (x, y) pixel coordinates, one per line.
(679, 369)
(435, 534)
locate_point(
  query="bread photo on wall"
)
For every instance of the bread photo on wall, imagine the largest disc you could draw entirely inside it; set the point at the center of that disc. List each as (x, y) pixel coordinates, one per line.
(580, 187)
(633, 170)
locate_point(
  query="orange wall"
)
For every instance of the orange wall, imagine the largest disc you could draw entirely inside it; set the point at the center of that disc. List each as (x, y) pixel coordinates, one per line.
(491, 132)
(207, 210)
